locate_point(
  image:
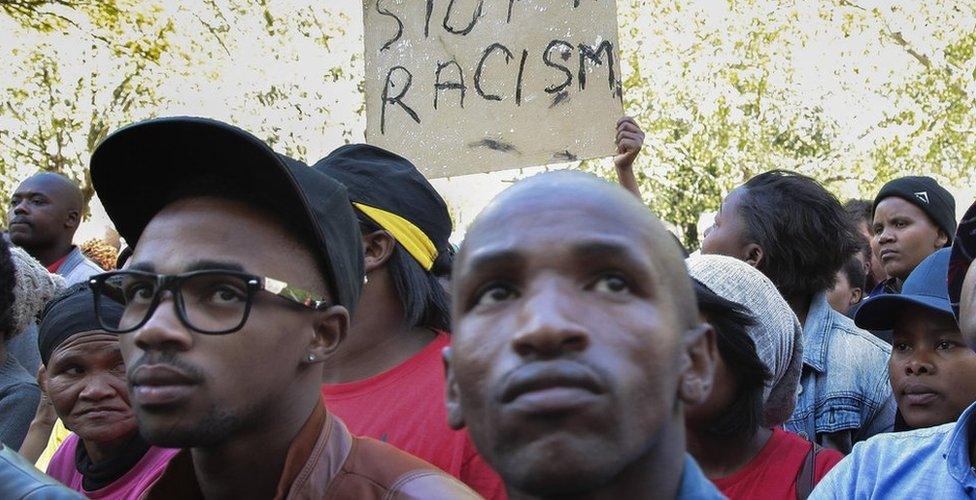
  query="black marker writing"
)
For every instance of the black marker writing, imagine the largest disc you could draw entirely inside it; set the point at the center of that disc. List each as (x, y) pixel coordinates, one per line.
(587, 53)
(567, 48)
(448, 85)
(397, 99)
(430, 10)
(399, 33)
(470, 26)
(481, 66)
(518, 81)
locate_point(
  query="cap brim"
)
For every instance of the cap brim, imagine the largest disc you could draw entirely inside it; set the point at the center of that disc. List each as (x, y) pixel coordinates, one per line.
(881, 312)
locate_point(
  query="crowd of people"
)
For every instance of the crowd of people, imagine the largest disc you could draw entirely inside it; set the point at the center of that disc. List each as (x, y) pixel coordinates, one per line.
(281, 330)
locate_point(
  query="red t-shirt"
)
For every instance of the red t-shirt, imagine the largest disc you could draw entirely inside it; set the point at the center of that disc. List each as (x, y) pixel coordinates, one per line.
(405, 407)
(772, 473)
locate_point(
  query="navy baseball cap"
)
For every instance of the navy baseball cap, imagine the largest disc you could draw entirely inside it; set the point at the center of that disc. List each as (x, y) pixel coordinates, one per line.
(925, 287)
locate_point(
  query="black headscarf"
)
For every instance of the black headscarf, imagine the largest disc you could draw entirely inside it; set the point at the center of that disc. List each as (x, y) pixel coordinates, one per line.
(70, 313)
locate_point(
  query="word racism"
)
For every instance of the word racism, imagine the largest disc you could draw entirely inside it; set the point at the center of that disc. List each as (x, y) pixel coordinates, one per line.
(473, 86)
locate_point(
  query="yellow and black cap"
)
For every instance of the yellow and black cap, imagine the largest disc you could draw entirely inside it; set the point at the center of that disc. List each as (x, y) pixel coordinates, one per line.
(390, 190)
(137, 170)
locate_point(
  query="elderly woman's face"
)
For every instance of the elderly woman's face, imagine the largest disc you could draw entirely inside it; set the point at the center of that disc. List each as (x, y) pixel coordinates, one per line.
(86, 383)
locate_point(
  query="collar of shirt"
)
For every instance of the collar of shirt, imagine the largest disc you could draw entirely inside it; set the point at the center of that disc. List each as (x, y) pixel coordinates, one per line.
(694, 484)
(816, 331)
(955, 450)
(887, 286)
(53, 268)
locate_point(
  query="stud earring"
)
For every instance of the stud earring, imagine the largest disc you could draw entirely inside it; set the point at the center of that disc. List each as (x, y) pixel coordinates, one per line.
(365, 279)
(310, 358)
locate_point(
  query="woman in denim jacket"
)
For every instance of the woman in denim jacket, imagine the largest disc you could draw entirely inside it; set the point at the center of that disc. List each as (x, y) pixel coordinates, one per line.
(794, 231)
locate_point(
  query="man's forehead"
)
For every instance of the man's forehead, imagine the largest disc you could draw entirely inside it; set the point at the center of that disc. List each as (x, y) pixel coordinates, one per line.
(213, 215)
(203, 233)
(204, 228)
(26, 190)
(532, 225)
(588, 242)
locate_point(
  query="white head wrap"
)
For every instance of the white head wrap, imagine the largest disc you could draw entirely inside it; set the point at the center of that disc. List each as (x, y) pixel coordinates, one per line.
(777, 333)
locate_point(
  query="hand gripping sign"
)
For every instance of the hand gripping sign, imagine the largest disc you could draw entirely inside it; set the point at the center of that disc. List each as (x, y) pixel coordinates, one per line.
(466, 86)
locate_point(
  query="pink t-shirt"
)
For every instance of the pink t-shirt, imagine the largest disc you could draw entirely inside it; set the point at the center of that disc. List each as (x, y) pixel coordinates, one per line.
(130, 486)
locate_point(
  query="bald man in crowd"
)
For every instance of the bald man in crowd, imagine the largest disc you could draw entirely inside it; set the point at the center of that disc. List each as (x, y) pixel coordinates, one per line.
(577, 342)
(42, 218)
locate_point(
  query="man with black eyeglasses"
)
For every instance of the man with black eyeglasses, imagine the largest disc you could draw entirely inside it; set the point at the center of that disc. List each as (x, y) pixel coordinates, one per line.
(246, 268)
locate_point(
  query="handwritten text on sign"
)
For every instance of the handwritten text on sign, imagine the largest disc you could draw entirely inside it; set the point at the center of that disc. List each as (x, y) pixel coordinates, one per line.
(465, 86)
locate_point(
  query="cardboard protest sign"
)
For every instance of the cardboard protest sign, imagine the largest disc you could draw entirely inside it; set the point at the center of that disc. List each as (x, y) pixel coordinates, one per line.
(465, 86)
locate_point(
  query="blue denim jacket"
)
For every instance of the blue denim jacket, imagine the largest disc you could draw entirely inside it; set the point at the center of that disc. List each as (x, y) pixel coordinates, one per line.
(924, 463)
(844, 386)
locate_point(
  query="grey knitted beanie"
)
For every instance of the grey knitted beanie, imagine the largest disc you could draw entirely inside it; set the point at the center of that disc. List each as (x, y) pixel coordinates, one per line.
(777, 333)
(35, 287)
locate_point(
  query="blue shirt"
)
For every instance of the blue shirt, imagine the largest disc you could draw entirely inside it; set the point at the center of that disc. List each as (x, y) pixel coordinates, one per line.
(887, 286)
(694, 484)
(844, 390)
(925, 463)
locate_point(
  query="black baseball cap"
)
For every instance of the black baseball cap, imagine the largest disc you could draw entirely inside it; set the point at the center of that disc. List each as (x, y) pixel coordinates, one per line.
(137, 170)
(381, 183)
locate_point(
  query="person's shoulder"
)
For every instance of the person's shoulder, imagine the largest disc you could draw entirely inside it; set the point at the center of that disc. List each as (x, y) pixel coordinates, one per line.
(874, 463)
(857, 338)
(14, 378)
(89, 267)
(402, 475)
(83, 269)
(17, 388)
(21, 481)
(897, 447)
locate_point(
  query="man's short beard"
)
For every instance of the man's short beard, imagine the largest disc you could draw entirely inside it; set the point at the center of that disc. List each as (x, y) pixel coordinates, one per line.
(215, 428)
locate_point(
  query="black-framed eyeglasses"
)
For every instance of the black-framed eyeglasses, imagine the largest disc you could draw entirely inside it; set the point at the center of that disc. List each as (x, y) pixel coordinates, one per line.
(213, 302)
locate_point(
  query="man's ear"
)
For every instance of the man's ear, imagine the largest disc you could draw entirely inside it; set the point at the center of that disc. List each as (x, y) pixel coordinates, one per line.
(856, 295)
(377, 248)
(73, 218)
(698, 371)
(42, 378)
(754, 255)
(330, 329)
(941, 239)
(453, 396)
